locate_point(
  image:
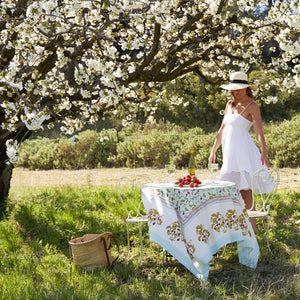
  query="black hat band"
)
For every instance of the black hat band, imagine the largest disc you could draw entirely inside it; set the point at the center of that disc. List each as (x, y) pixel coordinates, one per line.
(239, 81)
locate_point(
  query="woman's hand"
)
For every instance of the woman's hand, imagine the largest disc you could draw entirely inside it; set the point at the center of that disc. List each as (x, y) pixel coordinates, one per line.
(212, 158)
(264, 160)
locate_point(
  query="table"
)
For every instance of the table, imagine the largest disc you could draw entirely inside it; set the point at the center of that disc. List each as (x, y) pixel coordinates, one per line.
(192, 224)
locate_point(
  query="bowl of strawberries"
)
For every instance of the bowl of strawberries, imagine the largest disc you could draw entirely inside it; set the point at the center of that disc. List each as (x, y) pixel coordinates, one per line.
(188, 181)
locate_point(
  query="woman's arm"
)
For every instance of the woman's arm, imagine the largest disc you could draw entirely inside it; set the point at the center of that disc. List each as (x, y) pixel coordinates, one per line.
(217, 144)
(218, 140)
(257, 124)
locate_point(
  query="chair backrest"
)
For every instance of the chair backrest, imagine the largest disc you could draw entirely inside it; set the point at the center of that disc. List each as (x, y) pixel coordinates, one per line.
(126, 187)
(265, 183)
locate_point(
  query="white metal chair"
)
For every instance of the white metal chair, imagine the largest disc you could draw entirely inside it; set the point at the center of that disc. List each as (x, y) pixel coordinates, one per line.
(126, 187)
(264, 183)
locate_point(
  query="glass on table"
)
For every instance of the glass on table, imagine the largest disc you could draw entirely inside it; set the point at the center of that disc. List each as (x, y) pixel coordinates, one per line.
(213, 169)
(170, 169)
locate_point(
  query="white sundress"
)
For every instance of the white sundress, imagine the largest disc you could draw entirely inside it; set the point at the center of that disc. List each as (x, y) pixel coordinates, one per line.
(241, 157)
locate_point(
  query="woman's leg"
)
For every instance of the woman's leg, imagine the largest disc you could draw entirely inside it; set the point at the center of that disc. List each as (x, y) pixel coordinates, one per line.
(247, 197)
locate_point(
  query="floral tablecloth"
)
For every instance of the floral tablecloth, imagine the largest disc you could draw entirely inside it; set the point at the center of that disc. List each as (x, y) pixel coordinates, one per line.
(192, 224)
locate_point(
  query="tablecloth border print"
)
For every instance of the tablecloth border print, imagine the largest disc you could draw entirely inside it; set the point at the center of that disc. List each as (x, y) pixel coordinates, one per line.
(197, 199)
(219, 223)
(187, 217)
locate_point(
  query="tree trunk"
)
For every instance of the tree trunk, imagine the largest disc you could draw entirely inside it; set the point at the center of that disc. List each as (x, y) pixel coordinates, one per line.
(6, 168)
(5, 178)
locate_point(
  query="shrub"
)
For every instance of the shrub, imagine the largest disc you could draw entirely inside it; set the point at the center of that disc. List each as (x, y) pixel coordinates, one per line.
(201, 143)
(283, 143)
(37, 154)
(151, 146)
(91, 151)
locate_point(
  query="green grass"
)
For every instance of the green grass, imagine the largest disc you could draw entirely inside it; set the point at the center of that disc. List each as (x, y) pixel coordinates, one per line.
(35, 253)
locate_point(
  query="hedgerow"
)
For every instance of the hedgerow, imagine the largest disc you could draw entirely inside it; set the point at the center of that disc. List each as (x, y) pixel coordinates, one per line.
(154, 145)
(283, 143)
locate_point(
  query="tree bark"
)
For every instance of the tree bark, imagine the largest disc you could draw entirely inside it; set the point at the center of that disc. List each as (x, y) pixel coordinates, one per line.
(6, 167)
(5, 178)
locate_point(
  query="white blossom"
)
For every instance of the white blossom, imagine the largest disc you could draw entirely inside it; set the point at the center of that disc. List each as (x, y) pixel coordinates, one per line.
(12, 150)
(103, 139)
(34, 119)
(271, 99)
(119, 51)
(297, 80)
(74, 139)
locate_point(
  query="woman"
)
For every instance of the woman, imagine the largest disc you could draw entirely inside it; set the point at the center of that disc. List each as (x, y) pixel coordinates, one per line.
(241, 157)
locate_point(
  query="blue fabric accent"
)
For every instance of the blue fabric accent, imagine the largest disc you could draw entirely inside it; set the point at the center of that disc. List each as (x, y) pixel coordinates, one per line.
(248, 255)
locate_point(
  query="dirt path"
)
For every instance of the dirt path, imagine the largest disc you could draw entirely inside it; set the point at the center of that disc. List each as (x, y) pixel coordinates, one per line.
(289, 178)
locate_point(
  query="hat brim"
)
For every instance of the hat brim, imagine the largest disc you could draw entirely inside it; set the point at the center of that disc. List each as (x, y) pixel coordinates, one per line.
(238, 86)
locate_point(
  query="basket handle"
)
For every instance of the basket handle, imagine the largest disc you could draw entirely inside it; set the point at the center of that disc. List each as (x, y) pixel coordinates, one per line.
(105, 248)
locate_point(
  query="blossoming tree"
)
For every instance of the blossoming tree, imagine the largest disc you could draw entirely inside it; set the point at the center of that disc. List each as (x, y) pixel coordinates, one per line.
(70, 61)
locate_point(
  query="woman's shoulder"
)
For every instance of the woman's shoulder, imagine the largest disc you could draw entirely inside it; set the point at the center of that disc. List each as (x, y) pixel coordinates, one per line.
(228, 105)
(253, 108)
(253, 104)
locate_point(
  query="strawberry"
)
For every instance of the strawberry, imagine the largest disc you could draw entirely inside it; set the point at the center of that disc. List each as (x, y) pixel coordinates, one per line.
(191, 181)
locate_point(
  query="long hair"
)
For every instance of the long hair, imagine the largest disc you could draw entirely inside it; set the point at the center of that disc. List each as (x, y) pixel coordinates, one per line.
(248, 92)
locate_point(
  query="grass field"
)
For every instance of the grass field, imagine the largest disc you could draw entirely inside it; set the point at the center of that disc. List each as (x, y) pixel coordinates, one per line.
(41, 219)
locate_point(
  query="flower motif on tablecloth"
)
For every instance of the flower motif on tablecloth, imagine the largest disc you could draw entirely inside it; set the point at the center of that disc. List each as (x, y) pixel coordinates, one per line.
(190, 249)
(154, 218)
(242, 222)
(230, 221)
(218, 222)
(174, 232)
(203, 233)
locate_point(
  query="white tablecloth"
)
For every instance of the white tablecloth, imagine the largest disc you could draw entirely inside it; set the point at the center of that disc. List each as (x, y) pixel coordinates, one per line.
(192, 224)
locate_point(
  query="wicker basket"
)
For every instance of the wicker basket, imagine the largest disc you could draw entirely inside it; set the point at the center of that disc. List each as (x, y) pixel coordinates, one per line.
(92, 250)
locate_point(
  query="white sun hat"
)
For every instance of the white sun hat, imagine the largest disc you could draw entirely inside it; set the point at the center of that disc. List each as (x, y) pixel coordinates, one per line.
(238, 80)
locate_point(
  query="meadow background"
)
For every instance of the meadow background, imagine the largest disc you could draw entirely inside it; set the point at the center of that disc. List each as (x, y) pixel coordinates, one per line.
(62, 189)
(46, 208)
(42, 217)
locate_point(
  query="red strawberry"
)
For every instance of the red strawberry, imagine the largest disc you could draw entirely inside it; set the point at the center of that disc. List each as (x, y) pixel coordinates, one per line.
(180, 184)
(191, 185)
(196, 184)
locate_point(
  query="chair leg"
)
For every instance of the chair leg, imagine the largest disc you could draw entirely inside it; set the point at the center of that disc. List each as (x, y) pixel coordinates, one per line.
(128, 242)
(268, 243)
(165, 259)
(165, 263)
(141, 241)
